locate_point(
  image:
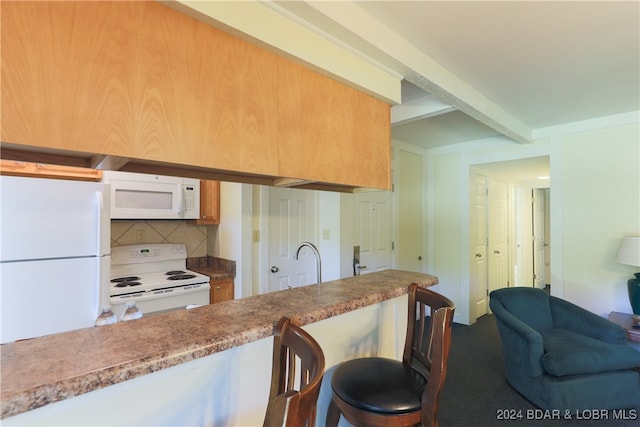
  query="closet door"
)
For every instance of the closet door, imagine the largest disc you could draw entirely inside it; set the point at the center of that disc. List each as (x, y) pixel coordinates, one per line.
(498, 233)
(478, 239)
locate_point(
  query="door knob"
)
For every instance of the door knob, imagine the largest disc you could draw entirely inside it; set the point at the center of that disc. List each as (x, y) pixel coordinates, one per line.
(274, 269)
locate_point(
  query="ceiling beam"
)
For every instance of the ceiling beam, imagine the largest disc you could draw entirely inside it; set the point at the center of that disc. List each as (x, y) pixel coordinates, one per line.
(418, 109)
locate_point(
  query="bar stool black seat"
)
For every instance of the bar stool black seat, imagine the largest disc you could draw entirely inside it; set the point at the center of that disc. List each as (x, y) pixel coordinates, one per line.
(375, 391)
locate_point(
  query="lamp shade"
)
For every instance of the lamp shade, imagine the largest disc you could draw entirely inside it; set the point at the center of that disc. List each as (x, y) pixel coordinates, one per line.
(629, 251)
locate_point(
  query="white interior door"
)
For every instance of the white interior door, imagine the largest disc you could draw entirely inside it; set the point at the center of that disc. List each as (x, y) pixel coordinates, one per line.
(409, 186)
(539, 247)
(291, 221)
(373, 230)
(498, 230)
(523, 237)
(479, 244)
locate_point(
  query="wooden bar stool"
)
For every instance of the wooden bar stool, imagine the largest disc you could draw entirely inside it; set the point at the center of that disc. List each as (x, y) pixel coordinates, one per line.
(296, 377)
(375, 391)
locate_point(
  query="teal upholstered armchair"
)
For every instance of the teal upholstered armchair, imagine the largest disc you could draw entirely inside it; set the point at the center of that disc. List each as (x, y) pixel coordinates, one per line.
(561, 356)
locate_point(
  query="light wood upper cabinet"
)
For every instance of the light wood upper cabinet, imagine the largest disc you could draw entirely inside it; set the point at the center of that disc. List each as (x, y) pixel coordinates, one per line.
(141, 81)
(136, 80)
(65, 84)
(209, 203)
(330, 132)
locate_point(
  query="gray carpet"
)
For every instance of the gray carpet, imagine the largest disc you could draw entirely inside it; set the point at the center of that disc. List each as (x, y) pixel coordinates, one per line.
(477, 394)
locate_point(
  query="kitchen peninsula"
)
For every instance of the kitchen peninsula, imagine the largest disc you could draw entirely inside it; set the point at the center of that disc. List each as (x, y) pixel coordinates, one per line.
(206, 366)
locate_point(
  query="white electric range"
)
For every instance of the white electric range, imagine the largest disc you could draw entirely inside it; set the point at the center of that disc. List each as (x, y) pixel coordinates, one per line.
(155, 277)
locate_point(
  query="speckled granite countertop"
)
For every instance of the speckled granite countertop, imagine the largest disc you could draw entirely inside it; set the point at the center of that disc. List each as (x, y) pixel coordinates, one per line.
(215, 268)
(56, 367)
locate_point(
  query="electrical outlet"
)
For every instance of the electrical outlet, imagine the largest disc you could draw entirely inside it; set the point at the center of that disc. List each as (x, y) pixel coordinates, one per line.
(326, 234)
(140, 236)
(256, 236)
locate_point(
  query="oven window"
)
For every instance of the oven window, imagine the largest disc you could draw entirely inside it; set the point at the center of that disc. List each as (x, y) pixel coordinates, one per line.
(144, 199)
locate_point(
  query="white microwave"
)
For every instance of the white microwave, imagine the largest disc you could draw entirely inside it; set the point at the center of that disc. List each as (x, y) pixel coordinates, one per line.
(144, 196)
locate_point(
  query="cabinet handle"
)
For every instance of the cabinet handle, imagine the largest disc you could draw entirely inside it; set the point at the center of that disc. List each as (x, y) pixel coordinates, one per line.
(218, 288)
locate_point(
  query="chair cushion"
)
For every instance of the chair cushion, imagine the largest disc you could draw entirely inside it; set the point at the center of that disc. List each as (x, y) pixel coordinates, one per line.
(379, 385)
(569, 353)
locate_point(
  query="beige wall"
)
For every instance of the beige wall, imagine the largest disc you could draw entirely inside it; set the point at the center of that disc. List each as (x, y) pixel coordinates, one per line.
(600, 181)
(595, 193)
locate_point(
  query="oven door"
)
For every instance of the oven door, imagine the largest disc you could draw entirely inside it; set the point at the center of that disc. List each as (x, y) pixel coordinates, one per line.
(165, 300)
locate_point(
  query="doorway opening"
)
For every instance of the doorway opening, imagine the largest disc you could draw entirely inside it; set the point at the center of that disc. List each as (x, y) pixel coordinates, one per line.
(509, 232)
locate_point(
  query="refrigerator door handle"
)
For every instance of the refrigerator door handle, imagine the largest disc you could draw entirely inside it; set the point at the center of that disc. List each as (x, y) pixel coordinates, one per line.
(104, 224)
(104, 250)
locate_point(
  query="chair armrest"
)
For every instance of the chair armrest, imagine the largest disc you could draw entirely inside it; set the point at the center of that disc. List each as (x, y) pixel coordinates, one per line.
(522, 345)
(576, 319)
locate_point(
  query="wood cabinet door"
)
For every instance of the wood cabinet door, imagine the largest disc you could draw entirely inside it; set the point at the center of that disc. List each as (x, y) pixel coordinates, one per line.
(137, 80)
(330, 132)
(66, 75)
(209, 203)
(221, 290)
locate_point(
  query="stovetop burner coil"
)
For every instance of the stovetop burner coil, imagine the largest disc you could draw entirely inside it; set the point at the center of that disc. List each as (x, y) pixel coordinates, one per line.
(181, 277)
(125, 279)
(127, 284)
(175, 272)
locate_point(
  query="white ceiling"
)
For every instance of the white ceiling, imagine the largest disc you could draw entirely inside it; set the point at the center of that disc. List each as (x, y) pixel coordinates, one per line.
(534, 64)
(545, 62)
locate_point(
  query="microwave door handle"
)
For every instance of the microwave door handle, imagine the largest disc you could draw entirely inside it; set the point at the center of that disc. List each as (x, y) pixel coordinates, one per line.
(181, 201)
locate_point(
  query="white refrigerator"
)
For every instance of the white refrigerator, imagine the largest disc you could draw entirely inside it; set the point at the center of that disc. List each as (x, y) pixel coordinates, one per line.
(54, 255)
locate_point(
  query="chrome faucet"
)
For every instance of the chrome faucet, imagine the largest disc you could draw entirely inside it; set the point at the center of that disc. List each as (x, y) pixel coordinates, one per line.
(315, 253)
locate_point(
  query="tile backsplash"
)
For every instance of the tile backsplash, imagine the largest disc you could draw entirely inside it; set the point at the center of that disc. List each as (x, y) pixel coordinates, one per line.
(136, 232)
